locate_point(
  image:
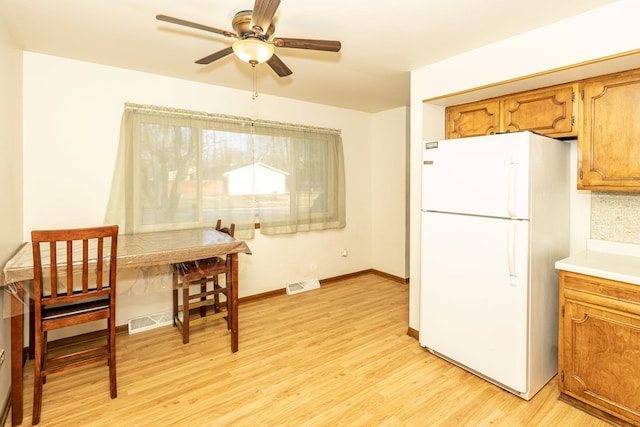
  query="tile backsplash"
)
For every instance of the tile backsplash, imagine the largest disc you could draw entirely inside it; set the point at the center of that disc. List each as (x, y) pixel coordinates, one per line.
(615, 217)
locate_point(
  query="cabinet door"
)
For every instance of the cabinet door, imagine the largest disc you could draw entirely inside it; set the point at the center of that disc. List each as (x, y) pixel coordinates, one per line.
(475, 119)
(608, 142)
(599, 347)
(548, 111)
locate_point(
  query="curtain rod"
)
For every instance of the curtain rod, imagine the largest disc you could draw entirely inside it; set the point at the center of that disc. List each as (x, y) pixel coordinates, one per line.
(176, 112)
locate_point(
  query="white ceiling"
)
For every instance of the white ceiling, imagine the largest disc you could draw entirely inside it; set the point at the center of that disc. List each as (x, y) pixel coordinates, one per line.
(381, 40)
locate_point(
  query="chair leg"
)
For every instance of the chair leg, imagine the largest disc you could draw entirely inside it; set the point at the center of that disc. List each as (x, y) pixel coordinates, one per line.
(228, 303)
(175, 295)
(203, 289)
(112, 356)
(32, 322)
(185, 313)
(45, 349)
(216, 297)
(37, 376)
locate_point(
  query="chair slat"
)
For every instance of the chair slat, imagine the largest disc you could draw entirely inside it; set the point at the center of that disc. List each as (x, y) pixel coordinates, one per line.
(69, 267)
(53, 254)
(99, 268)
(85, 266)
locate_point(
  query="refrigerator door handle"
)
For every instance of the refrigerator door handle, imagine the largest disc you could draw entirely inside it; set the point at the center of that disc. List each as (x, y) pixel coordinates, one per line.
(511, 196)
(511, 252)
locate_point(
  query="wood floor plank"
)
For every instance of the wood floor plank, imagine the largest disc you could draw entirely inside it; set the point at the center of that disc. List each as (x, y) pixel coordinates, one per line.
(338, 355)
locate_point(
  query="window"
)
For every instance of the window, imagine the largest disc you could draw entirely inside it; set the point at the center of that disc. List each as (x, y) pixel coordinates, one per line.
(183, 169)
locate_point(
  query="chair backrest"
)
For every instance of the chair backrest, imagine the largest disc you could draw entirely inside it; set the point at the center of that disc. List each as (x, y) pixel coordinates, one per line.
(229, 230)
(73, 265)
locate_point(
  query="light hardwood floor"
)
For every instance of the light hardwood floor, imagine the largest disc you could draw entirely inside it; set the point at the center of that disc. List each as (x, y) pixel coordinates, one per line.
(336, 356)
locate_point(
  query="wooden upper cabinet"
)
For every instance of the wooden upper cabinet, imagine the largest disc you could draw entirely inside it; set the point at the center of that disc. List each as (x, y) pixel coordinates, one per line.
(548, 111)
(474, 119)
(609, 139)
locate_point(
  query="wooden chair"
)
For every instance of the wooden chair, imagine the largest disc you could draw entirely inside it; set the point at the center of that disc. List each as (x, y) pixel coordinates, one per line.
(202, 273)
(74, 283)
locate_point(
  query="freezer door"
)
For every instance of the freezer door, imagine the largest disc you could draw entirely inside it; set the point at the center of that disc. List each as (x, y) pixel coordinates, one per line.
(487, 175)
(473, 295)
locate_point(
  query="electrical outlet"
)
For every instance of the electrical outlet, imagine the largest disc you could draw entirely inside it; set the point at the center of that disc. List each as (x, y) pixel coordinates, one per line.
(1, 356)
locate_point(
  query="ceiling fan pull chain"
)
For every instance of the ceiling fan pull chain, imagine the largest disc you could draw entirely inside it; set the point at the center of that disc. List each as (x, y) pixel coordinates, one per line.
(255, 82)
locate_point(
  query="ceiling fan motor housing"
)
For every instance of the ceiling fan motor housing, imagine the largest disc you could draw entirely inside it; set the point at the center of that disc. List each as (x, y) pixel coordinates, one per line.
(242, 26)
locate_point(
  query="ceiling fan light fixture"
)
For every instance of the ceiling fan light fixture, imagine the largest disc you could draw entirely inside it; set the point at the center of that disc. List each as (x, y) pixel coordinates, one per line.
(253, 50)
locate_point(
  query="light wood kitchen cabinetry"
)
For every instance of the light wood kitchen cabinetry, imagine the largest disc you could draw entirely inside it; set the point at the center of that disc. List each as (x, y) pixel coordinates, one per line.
(602, 112)
(547, 111)
(599, 347)
(609, 138)
(474, 119)
(550, 111)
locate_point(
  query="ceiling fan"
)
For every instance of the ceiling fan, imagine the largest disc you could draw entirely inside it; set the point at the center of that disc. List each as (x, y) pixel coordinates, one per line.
(254, 30)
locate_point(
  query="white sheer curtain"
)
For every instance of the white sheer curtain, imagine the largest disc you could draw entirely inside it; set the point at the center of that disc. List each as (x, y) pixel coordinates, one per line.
(312, 159)
(182, 169)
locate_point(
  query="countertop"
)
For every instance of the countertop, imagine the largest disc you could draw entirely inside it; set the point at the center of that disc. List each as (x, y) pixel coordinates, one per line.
(605, 259)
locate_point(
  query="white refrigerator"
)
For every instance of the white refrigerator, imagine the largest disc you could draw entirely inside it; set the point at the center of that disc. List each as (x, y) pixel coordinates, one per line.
(495, 219)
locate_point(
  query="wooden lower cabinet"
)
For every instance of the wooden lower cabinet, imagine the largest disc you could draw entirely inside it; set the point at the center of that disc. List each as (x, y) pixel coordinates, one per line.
(599, 347)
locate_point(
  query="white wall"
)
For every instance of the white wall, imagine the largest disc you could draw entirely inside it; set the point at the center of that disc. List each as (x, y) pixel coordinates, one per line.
(599, 33)
(71, 128)
(390, 192)
(10, 181)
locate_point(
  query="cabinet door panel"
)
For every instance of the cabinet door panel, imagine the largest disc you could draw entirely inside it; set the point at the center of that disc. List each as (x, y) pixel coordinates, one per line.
(478, 118)
(604, 359)
(548, 112)
(608, 141)
(599, 346)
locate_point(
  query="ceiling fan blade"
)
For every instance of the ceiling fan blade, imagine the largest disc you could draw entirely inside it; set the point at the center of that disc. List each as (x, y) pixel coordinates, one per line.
(194, 25)
(328, 45)
(215, 56)
(262, 15)
(279, 67)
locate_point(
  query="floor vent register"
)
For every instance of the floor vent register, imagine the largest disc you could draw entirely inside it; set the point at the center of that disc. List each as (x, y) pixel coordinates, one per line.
(149, 321)
(307, 285)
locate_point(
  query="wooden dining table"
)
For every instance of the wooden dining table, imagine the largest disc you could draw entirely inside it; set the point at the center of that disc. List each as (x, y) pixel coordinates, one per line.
(134, 251)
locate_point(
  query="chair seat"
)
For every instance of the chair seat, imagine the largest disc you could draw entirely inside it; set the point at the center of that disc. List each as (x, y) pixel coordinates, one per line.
(205, 267)
(67, 310)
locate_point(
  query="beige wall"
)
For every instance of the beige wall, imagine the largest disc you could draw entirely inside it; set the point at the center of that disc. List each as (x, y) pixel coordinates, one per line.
(595, 34)
(389, 192)
(72, 119)
(10, 179)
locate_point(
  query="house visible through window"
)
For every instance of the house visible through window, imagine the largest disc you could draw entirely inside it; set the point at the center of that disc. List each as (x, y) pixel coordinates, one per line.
(183, 169)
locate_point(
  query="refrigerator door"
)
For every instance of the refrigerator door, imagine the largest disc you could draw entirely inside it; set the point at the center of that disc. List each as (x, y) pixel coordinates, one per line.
(473, 298)
(487, 175)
